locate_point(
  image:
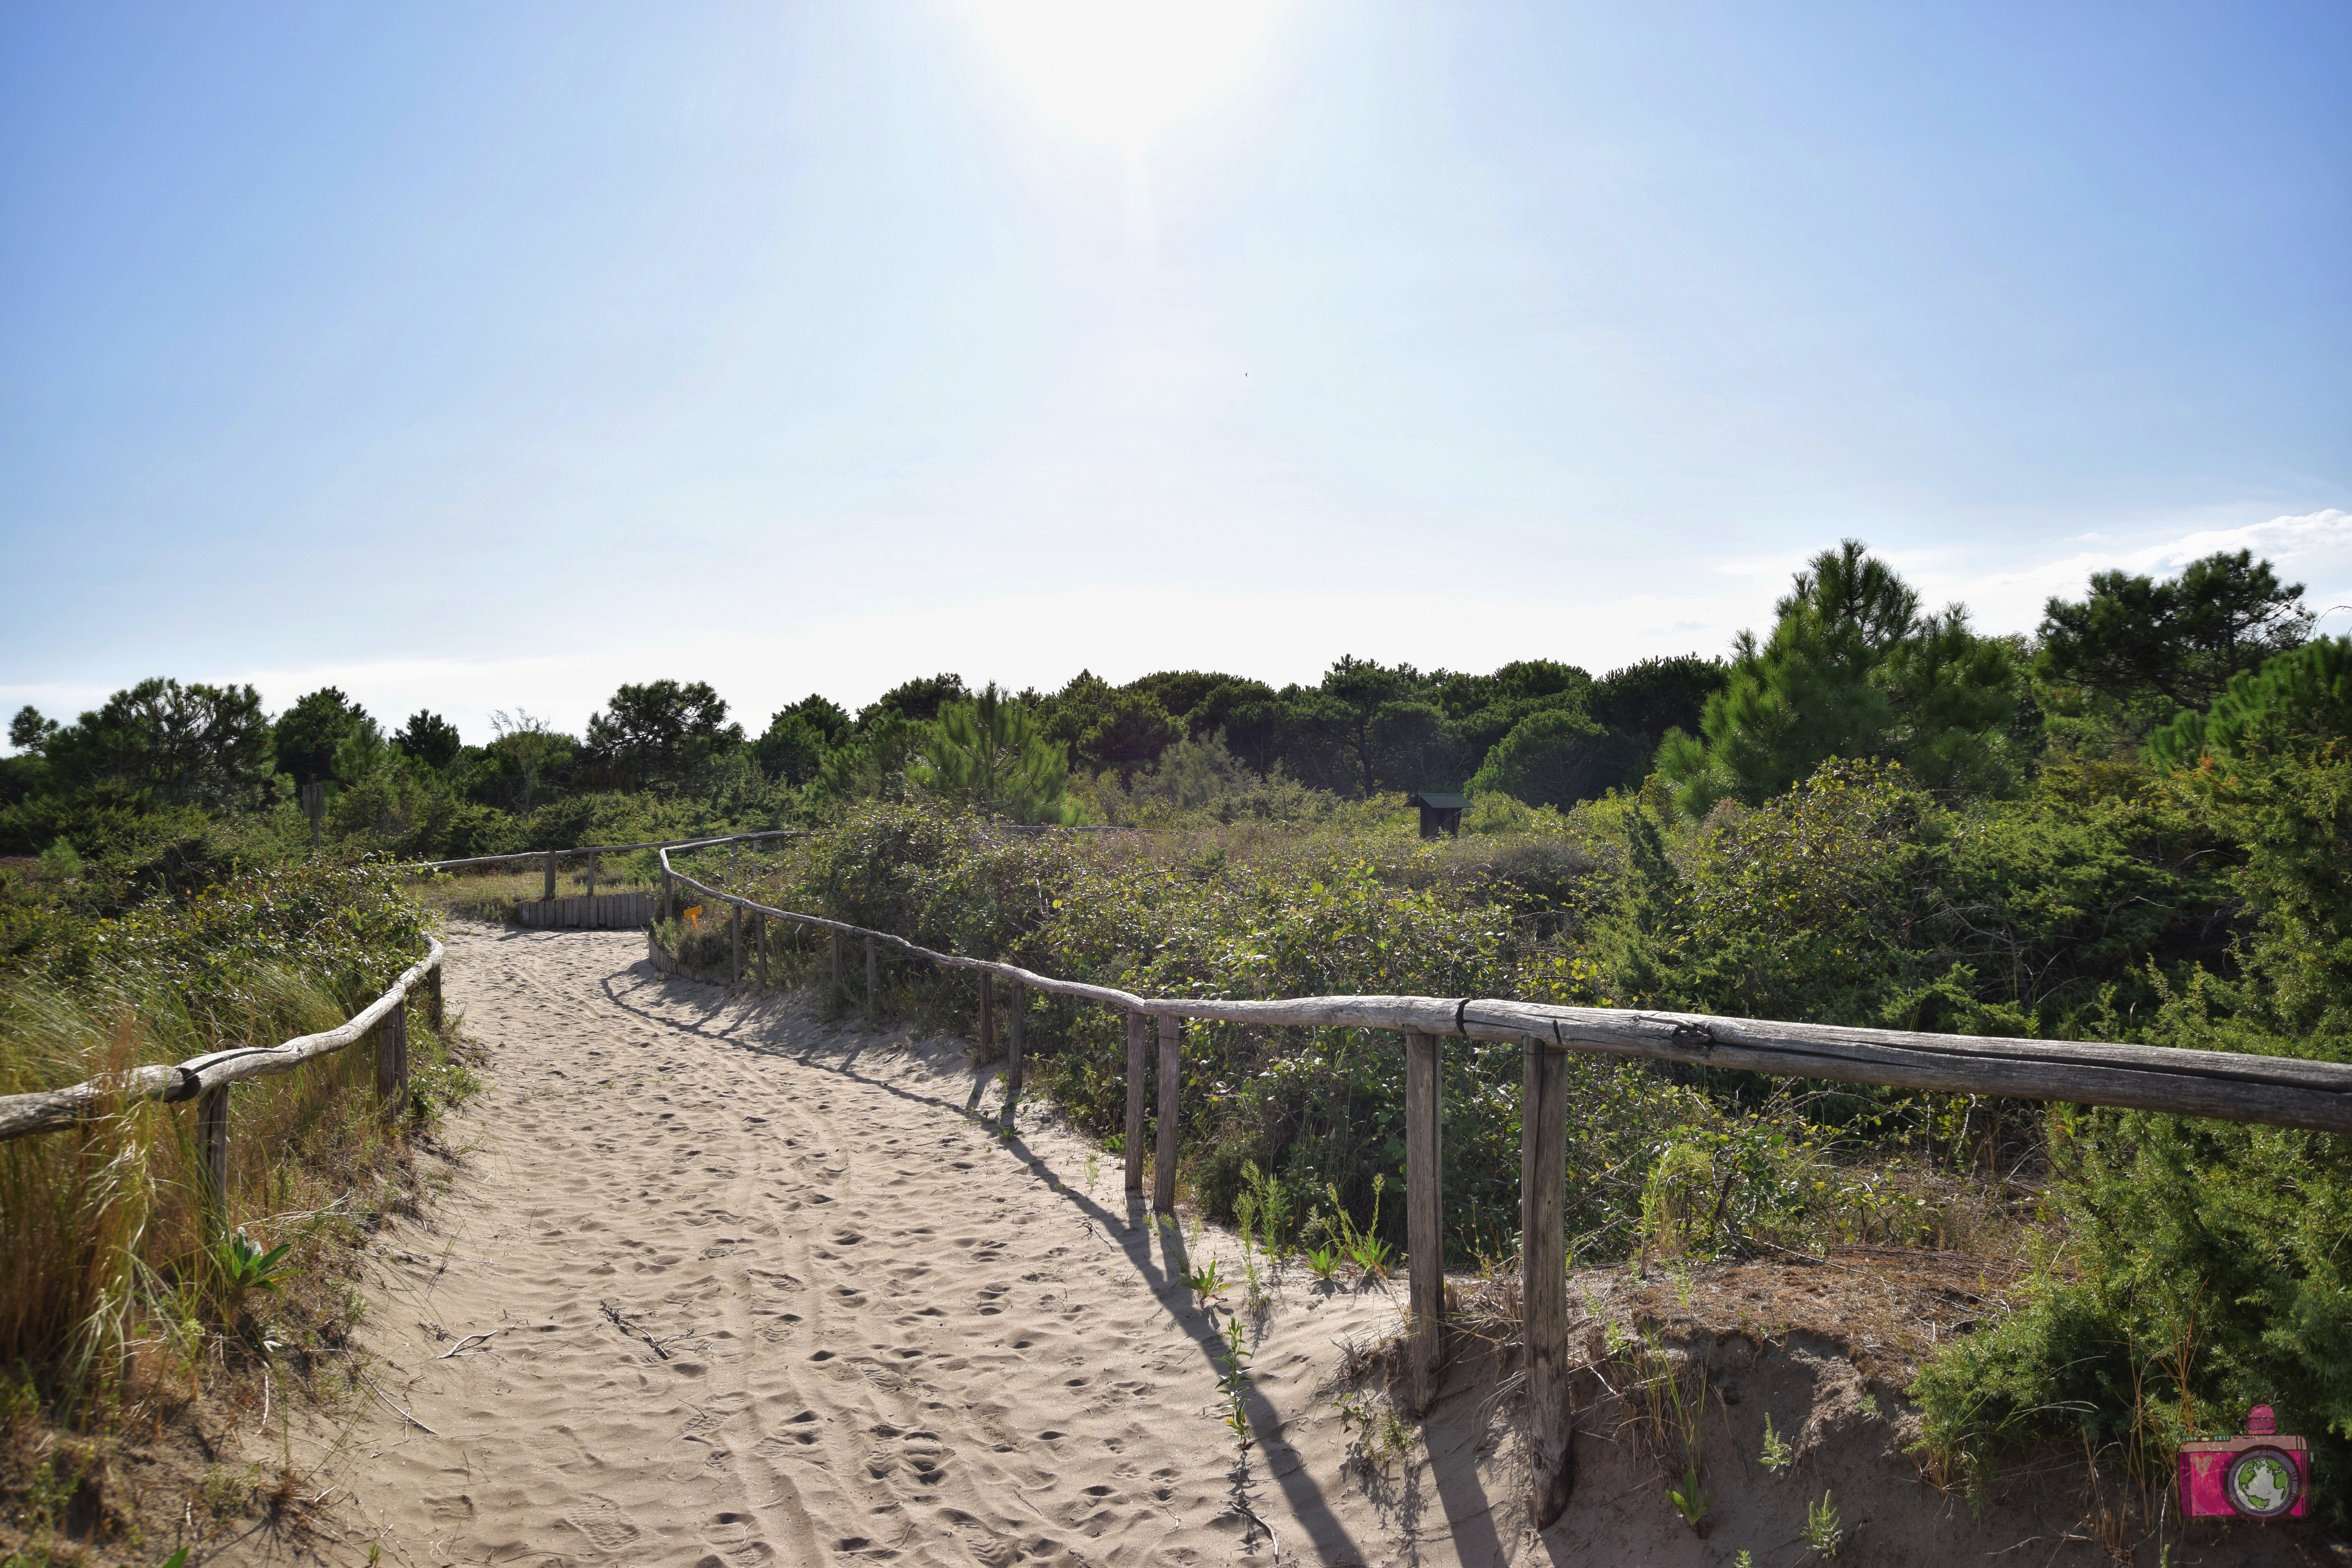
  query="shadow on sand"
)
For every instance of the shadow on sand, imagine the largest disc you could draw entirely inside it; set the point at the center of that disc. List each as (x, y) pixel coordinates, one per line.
(1455, 1433)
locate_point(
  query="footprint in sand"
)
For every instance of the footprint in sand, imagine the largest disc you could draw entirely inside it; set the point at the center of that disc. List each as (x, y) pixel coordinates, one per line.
(752, 1445)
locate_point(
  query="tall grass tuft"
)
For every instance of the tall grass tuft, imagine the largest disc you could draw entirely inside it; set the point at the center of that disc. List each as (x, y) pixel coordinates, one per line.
(101, 1235)
(87, 1215)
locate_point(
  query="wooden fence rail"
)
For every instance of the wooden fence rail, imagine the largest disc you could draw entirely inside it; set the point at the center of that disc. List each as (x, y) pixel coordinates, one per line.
(607, 849)
(2278, 1091)
(588, 911)
(206, 1079)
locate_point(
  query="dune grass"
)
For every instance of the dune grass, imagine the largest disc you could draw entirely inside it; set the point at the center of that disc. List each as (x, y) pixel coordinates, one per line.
(117, 1313)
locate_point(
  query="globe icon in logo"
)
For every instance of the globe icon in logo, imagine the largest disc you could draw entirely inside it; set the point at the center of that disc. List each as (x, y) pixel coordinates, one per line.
(2263, 1483)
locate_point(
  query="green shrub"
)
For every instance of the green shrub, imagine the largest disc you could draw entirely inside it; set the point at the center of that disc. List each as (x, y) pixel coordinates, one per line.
(1242, 912)
(2206, 1265)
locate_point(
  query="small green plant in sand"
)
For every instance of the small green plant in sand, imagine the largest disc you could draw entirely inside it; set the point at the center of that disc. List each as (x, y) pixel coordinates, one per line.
(225, 1492)
(1688, 1500)
(1271, 1202)
(1233, 1385)
(1323, 1261)
(1684, 1284)
(243, 1266)
(1676, 1413)
(1778, 1455)
(1385, 1434)
(1245, 1222)
(1822, 1533)
(1870, 1406)
(1362, 1247)
(1205, 1280)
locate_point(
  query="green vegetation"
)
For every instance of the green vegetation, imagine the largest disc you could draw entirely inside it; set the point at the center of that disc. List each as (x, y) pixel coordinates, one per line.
(1852, 669)
(989, 753)
(243, 1266)
(115, 1306)
(2133, 826)
(1233, 1384)
(1823, 1534)
(2028, 866)
(171, 785)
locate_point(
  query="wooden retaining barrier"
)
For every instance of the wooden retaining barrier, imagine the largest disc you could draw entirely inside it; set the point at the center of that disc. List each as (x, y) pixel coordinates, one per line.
(2275, 1090)
(592, 911)
(595, 911)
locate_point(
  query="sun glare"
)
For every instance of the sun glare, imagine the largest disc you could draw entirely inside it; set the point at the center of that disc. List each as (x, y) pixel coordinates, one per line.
(1124, 71)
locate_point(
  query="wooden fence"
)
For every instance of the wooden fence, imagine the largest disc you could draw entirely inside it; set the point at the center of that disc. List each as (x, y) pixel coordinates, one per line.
(549, 858)
(207, 1079)
(2275, 1090)
(596, 911)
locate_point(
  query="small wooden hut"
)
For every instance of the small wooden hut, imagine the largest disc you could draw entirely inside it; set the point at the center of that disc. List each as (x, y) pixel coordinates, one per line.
(1439, 811)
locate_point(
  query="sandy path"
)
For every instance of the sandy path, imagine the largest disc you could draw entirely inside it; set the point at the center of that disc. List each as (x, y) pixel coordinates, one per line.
(759, 1288)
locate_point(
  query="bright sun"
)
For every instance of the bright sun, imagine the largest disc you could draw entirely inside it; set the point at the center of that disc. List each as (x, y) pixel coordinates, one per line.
(1124, 70)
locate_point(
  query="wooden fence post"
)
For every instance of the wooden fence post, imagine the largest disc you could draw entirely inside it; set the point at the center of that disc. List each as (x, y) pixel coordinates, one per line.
(548, 892)
(834, 948)
(1543, 1284)
(400, 1053)
(592, 876)
(1012, 1043)
(871, 986)
(392, 1060)
(760, 947)
(987, 1014)
(212, 1161)
(1138, 1066)
(1424, 1210)
(432, 997)
(1171, 1078)
(735, 945)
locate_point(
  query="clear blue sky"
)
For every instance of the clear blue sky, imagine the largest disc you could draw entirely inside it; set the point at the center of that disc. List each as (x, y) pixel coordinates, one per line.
(480, 356)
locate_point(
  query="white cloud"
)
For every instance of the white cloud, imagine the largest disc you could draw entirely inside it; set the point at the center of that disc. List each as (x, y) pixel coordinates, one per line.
(2313, 548)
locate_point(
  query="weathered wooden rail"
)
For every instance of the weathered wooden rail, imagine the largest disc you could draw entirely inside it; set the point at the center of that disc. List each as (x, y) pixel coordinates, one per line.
(207, 1079)
(551, 858)
(2277, 1092)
